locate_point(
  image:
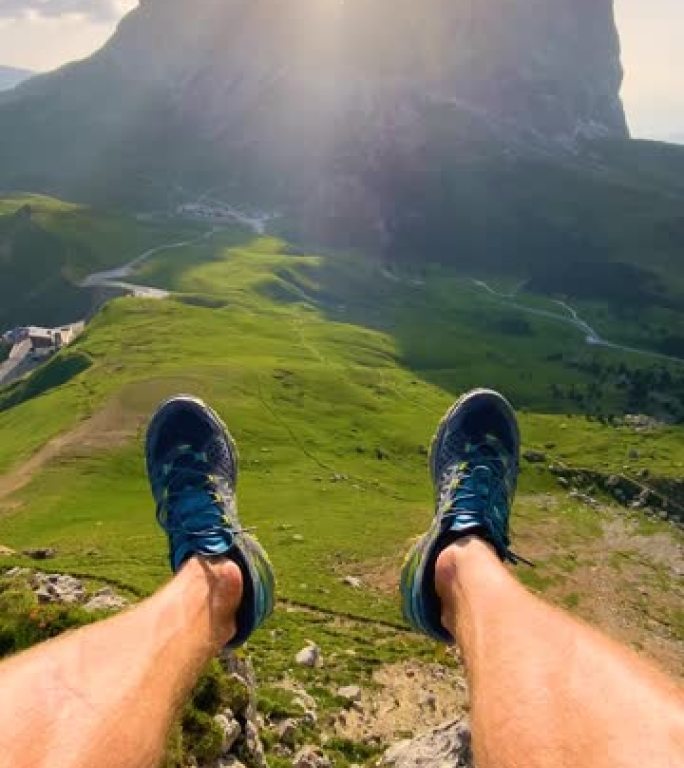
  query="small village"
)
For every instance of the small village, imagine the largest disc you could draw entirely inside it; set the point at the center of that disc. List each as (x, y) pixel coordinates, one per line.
(32, 345)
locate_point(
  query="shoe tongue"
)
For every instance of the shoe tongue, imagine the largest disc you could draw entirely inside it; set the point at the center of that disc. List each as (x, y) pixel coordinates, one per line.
(197, 510)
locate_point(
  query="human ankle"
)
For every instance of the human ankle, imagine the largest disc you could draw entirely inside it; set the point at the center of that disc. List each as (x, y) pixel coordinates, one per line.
(457, 564)
(457, 557)
(225, 582)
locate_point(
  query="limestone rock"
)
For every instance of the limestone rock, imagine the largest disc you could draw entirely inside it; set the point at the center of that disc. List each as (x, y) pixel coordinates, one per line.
(57, 588)
(246, 744)
(231, 730)
(310, 656)
(447, 746)
(353, 582)
(105, 599)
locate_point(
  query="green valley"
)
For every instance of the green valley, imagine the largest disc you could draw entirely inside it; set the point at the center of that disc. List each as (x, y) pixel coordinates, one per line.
(332, 370)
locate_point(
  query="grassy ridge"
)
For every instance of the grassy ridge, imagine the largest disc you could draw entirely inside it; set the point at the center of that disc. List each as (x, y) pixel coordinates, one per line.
(47, 246)
(331, 377)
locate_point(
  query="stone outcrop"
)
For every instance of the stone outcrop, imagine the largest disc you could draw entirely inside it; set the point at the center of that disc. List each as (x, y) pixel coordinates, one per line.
(64, 589)
(445, 747)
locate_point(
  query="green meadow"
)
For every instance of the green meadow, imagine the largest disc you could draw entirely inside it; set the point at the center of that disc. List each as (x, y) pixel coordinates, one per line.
(332, 375)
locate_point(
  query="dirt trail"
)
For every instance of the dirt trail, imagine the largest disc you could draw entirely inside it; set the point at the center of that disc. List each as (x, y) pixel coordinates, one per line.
(107, 429)
(405, 695)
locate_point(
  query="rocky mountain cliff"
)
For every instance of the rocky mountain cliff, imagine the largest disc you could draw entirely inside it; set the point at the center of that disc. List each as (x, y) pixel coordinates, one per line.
(314, 105)
(549, 68)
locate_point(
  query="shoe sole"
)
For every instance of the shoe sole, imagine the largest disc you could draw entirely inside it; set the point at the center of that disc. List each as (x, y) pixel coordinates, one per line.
(457, 406)
(215, 418)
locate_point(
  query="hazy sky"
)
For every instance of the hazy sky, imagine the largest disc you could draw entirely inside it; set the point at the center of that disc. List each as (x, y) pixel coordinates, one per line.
(42, 34)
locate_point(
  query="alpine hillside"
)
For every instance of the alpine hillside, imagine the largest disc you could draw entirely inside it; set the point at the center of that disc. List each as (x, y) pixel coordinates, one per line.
(329, 220)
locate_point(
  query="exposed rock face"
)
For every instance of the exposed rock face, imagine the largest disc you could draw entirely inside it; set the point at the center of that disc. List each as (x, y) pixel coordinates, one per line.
(445, 747)
(549, 66)
(270, 97)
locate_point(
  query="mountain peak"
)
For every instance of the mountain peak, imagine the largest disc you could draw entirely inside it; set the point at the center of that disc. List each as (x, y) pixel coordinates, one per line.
(269, 97)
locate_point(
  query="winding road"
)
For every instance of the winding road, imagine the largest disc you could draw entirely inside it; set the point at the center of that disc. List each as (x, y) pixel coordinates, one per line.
(570, 317)
(116, 278)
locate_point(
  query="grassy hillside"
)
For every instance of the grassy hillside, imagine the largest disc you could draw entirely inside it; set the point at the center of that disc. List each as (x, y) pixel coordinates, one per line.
(47, 246)
(332, 373)
(332, 377)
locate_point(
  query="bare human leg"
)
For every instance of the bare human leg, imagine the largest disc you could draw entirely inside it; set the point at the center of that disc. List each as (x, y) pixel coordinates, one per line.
(106, 695)
(547, 690)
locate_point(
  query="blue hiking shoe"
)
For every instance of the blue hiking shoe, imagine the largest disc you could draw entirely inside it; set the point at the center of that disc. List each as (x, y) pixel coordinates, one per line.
(474, 462)
(192, 464)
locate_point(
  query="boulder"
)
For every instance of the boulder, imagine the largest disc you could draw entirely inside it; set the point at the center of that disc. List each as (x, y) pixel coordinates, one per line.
(310, 656)
(57, 588)
(535, 457)
(447, 746)
(231, 730)
(247, 746)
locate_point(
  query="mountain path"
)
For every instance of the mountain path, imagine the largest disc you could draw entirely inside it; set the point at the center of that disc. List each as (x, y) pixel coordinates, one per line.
(569, 317)
(107, 428)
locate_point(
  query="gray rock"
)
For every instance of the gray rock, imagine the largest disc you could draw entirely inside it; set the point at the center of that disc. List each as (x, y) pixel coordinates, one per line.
(231, 730)
(447, 746)
(247, 744)
(311, 757)
(105, 599)
(350, 693)
(353, 582)
(535, 457)
(57, 588)
(40, 554)
(287, 732)
(310, 656)
(253, 747)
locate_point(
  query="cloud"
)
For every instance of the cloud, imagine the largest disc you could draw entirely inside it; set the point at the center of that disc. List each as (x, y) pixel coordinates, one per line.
(93, 10)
